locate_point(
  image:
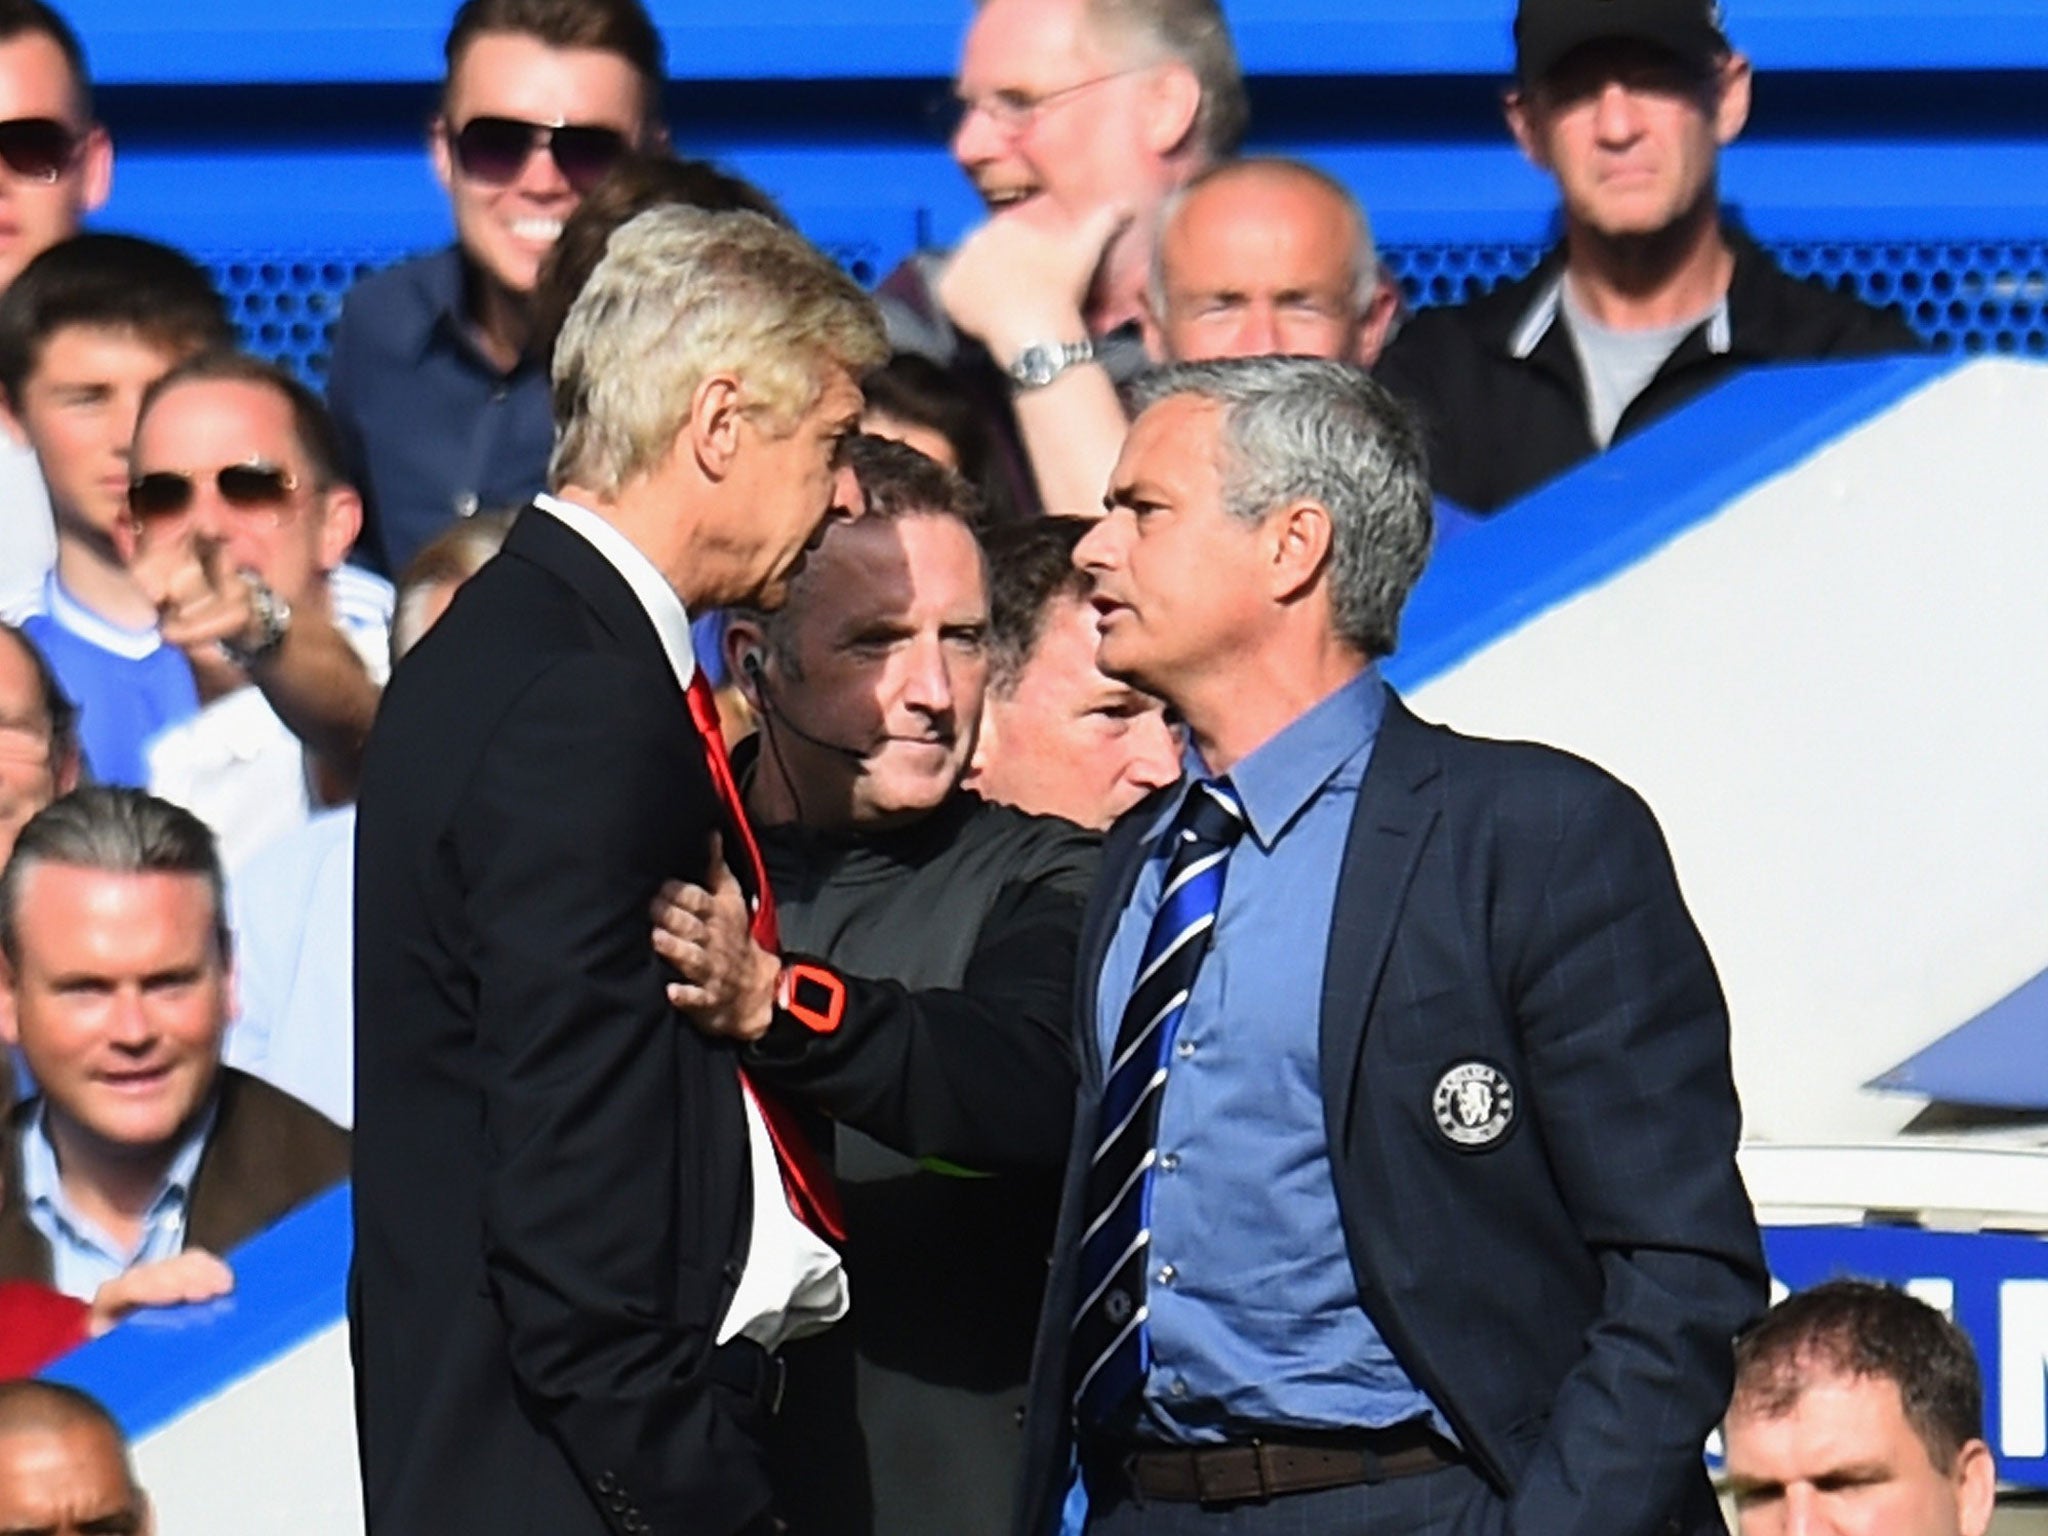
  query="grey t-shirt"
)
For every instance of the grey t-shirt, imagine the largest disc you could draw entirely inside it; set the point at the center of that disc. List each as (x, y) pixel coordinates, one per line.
(1618, 364)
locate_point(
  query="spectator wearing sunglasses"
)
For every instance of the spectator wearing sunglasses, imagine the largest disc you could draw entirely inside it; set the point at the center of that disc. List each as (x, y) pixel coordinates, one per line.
(55, 166)
(437, 382)
(87, 327)
(239, 523)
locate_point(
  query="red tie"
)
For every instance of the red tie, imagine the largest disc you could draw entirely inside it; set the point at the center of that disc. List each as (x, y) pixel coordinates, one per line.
(805, 1179)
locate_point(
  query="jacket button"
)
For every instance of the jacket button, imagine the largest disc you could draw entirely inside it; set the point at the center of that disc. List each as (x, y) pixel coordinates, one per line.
(606, 1483)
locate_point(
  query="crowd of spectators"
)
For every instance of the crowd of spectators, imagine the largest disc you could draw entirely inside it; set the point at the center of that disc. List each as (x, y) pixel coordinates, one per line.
(1010, 638)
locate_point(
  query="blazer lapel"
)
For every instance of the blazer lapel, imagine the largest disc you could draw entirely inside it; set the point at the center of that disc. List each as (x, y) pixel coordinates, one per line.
(549, 543)
(1388, 830)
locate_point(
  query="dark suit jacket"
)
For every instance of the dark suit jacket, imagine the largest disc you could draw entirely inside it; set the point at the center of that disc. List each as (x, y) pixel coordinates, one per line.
(268, 1154)
(1568, 1292)
(551, 1179)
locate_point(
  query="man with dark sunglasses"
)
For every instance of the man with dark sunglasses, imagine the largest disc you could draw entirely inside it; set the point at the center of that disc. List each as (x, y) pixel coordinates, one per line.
(435, 381)
(55, 167)
(239, 522)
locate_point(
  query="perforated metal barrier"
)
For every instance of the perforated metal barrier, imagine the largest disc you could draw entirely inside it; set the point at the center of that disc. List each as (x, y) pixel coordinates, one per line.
(1964, 297)
(286, 302)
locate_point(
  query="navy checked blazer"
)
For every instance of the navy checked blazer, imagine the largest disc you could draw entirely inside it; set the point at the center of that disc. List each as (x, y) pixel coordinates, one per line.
(1532, 1126)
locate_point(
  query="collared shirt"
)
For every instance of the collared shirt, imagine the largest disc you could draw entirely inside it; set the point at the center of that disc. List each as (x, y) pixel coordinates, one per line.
(128, 685)
(1255, 1318)
(433, 429)
(237, 766)
(793, 1282)
(82, 1256)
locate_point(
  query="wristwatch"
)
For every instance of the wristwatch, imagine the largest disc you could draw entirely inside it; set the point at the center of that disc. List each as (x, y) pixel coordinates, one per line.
(1043, 361)
(273, 618)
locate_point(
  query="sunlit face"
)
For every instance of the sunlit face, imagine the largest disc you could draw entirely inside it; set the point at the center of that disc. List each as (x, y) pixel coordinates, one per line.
(507, 229)
(36, 82)
(31, 774)
(78, 410)
(1054, 113)
(1068, 741)
(1845, 1461)
(785, 484)
(1631, 135)
(1256, 264)
(887, 660)
(118, 1002)
(68, 1482)
(198, 427)
(1168, 560)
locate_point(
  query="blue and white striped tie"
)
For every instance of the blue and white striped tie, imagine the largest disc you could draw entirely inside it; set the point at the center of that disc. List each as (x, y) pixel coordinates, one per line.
(1111, 1351)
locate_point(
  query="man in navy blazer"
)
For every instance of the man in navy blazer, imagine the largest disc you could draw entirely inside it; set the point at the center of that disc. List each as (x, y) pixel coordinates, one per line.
(1438, 1224)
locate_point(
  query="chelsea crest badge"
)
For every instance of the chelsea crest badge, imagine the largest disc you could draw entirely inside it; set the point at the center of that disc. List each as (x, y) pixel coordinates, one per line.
(1474, 1105)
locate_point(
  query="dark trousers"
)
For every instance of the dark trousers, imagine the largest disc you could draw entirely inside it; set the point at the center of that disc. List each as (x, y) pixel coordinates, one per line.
(1454, 1501)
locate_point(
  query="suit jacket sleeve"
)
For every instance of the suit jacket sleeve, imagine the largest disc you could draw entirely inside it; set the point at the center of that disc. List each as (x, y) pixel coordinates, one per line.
(981, 1074)
(1626, 1036)
(601, 1249)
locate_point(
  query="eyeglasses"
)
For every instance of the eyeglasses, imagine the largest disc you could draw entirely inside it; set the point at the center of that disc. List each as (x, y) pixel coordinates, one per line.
(494, 150)
(38, 148)
(1011, 112)
(251, 487)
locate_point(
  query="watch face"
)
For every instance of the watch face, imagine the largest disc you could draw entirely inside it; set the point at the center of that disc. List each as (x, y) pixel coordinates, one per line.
(1034, 366)
(1042, 362)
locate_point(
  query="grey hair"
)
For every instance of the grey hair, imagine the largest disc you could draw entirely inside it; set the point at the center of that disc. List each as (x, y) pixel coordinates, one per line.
(1194, 33)
(680, 295)
(117, 830)
(1302, 429)
(1365, 256)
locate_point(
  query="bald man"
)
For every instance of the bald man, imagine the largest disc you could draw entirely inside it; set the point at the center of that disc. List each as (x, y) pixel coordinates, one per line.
(64, 1468)
(1265, 256)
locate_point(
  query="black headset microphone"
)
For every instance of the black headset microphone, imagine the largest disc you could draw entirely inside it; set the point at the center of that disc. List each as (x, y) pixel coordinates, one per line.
(774, 715)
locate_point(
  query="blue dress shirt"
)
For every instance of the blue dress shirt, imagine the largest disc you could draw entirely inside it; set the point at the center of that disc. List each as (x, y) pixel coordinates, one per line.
(433, 430)
(82, 1256)
(1255, 1319)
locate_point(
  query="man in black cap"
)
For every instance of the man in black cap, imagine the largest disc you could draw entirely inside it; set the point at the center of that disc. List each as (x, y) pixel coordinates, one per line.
(1652, 296)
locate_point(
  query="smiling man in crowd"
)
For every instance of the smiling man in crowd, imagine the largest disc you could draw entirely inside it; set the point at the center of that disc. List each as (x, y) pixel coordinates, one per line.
(1077, 118)
(436, 383)
(118, 989)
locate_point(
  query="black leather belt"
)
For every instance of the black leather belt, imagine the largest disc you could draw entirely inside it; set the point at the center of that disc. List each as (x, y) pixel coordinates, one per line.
(751, 1371)
(1265, 1468)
